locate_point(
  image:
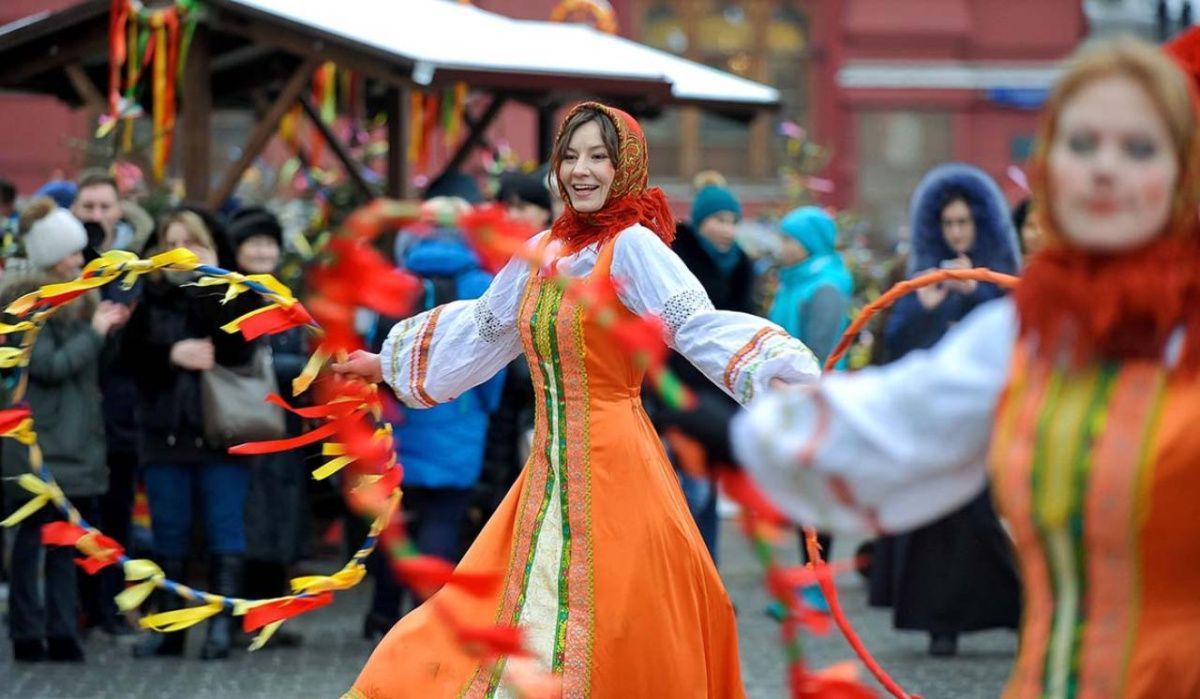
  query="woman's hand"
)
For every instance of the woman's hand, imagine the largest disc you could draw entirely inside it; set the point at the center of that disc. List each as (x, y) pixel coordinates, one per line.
(932, 296)
(108, 317)
(962, 286)
(196, 354)
(360, 364)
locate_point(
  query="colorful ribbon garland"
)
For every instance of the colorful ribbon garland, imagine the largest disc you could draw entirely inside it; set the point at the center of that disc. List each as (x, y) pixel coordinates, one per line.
(141, 38)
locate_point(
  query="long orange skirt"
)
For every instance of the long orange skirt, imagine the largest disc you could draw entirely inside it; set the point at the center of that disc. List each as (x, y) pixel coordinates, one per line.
(604, 568)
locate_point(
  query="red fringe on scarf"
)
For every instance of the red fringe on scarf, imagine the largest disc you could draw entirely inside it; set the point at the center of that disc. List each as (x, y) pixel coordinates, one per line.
(1116, 307)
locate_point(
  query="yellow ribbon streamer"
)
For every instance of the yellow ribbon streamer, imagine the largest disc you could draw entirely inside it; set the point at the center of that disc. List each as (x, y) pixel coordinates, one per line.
(21, 327)
(43, 494)
(265, 635)
(23, 433)
(234, 325)
(344, 579)
(179, 619)
(332, 467)
(136, 570)
(309, 374)
(132, 597)
(12, 357)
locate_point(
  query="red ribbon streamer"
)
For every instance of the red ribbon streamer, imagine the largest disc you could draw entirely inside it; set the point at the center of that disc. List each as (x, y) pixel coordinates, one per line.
(271, 612)
(275, 320)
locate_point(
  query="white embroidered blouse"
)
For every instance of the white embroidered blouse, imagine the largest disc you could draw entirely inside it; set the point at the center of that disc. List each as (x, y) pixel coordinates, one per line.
(885, 448)
(433, 357)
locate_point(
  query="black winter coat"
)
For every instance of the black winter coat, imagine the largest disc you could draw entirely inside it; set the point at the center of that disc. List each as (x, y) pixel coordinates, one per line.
(169, 410)
(709, 422)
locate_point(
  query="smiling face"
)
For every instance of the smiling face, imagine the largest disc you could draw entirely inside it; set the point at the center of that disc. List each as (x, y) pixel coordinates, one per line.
(587, 169)
(1112, 167)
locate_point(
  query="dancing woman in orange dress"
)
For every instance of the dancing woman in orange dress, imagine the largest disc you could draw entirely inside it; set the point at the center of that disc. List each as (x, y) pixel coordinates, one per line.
(1081, 394)
(604, 569)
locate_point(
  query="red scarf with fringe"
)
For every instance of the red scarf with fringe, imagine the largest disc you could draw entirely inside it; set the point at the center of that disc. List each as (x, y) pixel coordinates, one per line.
(629, 200)
(1115, 307)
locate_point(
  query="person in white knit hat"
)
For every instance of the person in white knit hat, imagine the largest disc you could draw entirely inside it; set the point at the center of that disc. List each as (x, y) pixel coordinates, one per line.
(64, 397)
(55, 243)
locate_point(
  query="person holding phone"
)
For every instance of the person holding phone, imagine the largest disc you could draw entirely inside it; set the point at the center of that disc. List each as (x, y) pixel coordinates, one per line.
(959, 220)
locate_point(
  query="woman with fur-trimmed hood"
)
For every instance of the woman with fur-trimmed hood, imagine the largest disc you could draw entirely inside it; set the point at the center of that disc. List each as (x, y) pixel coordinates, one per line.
(959, 220)
(955, 575)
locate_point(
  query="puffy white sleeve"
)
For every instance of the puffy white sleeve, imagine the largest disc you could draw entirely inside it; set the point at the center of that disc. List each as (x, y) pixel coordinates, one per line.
(739, 352)
(436, 356)
(886, 448)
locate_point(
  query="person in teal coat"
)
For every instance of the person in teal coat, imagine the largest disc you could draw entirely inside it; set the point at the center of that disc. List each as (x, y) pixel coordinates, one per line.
(813, 300)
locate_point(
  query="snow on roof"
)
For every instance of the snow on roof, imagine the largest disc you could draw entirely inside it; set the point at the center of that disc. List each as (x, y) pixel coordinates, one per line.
(445, 35)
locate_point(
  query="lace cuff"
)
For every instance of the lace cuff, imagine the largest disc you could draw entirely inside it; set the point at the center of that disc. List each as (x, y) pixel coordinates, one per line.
(681, 307)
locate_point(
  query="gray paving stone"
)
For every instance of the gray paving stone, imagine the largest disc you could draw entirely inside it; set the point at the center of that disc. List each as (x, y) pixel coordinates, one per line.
(334, 651)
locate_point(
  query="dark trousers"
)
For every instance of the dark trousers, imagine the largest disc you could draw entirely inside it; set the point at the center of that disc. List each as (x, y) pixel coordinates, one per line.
(221, 489)
(701, 497)
(434, 518)
(32, 618)
(114, 512)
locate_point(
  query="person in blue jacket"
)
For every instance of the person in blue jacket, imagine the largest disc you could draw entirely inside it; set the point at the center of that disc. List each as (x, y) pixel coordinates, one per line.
(442, 448)
(955, 575)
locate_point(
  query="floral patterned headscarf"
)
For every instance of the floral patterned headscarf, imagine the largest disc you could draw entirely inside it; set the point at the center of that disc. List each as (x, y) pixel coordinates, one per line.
(629, 200)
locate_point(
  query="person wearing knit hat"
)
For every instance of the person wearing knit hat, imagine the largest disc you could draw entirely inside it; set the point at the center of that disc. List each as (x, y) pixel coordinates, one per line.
(814, 283)
(55, 242)
(706, 245)
(257, 240)
(527, 198)
(63, 395)
(715, 212)
(61, 191)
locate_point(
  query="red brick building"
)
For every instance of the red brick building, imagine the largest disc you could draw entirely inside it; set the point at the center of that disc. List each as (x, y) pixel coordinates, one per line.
(39, 136)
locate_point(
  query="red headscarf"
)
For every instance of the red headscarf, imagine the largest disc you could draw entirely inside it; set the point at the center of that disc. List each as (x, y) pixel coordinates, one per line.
(629, 200)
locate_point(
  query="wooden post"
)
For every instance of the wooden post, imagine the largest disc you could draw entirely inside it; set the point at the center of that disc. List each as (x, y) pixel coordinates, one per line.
(691, 13)
(265, 130)
(759, 15)
(196, 139)
(339, 150)
(475, 137)
(546, 131)
(87, 91)
(397, 135)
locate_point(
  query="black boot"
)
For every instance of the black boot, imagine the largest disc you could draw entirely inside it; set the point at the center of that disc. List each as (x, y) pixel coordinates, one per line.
(943, 645)
(29, 651)
(225, 575)
(164, 644)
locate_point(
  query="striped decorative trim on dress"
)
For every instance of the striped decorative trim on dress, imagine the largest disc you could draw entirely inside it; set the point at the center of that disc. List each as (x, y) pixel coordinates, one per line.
(767, 343)
(1070, 419)
(1112, 508)
(1011, 460)
(575, 632)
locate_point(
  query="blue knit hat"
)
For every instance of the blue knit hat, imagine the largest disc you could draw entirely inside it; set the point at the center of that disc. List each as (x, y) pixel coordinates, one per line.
(61, 191)
(811, 227)
(711, 200)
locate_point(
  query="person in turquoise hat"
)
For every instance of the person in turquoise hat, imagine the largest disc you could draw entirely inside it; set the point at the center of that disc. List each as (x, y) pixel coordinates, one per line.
(813, 300)
(812, 303)
(707, 245)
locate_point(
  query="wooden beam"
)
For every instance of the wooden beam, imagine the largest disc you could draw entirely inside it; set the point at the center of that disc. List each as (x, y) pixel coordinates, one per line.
(397, 135)
(475, 136)
(546, 131)
(265, 129)
(196, 139)
(74, 46)
(338, 148)
(88, 93)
